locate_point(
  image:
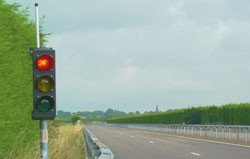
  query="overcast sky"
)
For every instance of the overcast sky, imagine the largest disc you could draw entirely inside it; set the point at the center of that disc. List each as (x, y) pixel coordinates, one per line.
(133, 54)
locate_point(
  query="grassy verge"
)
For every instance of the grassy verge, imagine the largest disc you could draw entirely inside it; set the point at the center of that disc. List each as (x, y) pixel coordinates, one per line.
(65, 142)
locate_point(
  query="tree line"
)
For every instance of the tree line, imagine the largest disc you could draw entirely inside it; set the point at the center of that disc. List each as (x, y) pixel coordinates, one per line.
(95, 115)
(229, 114)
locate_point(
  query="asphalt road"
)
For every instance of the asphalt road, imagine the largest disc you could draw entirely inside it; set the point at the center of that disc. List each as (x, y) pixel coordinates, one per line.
(136, 144)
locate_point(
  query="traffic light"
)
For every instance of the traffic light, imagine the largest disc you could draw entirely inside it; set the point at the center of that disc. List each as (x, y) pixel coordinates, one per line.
(44, 84)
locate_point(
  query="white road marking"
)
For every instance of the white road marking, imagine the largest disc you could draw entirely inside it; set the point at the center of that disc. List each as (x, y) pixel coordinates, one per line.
(196, 154)
(132, 136)
(151, 142)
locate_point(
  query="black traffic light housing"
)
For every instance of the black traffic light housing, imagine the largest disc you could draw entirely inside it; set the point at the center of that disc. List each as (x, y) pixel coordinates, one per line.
(44, 84)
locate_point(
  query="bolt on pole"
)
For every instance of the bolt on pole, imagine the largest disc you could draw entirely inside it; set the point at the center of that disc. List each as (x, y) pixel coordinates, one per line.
(43, 123)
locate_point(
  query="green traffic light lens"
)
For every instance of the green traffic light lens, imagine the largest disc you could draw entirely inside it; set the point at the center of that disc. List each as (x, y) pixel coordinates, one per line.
(45, 104)
(45, 83)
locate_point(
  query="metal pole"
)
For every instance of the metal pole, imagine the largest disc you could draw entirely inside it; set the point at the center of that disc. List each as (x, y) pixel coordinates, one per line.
(43, 123)
(246, 134)
(216, 133)
(229, 134)
(37, 27)
(44, 139)
(238, 135)
(223, 133)
(200, 131)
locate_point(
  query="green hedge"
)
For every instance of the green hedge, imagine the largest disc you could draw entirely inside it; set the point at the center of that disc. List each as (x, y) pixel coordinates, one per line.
(17, 35)
(230, 114)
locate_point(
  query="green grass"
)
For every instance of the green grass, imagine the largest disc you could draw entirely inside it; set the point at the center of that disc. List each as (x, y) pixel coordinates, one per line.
(230, 114)
(17, 35)
(65, 142)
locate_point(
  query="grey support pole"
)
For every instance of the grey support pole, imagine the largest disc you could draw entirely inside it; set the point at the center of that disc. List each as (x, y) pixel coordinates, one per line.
(223, 133)
(246, 135)
(216, 133)
(238, 133)
(37, 27)
(229, 134)
(43, 123)
(44, 139)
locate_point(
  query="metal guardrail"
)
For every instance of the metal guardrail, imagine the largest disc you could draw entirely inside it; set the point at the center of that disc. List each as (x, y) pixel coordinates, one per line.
(225, 132)
(96, 149)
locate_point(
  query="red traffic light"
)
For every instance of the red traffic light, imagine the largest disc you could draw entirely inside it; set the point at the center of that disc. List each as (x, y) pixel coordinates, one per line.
(45, 63)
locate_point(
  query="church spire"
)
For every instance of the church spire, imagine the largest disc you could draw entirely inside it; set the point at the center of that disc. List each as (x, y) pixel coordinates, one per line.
(157, 109)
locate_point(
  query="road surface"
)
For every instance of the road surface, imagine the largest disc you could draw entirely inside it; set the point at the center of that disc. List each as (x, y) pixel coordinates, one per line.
(136, 144)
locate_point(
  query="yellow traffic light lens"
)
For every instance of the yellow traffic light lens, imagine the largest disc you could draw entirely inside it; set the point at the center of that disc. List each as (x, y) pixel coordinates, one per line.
(45, 83)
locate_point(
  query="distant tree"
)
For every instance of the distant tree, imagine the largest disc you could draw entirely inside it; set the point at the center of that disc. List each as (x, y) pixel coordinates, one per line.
(110, 116)
(75, 118)
(137, 113)
(130, 113)
(117, 113)
(109, 111)
(62, 114)
(85, 114)
(97, 114)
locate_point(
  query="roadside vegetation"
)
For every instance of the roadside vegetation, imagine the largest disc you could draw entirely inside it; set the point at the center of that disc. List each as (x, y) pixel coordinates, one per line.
(17, 36)
(229, 114)
(65, 142)
(19, 135)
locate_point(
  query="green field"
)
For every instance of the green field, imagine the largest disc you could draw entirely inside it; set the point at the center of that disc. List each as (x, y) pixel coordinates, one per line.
(230, 114)
(17, 36)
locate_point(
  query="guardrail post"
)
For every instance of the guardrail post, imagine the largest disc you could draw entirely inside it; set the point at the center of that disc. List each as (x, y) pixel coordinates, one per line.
(223, 133)
(238, 135)
(184, 130)
(216, 133)
(200, 131)
(210, 129)
(229, 134)
(192, 131)
(246, 134)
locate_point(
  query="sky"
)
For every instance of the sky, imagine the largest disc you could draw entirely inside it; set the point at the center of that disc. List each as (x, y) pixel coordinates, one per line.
(131, 55)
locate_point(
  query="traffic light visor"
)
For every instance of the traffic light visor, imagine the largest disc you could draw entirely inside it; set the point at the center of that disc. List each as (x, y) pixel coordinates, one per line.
(45, 63)
(46, 104)
(45, 83)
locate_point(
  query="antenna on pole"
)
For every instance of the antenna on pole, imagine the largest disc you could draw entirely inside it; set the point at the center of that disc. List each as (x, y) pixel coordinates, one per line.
(37, 27)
